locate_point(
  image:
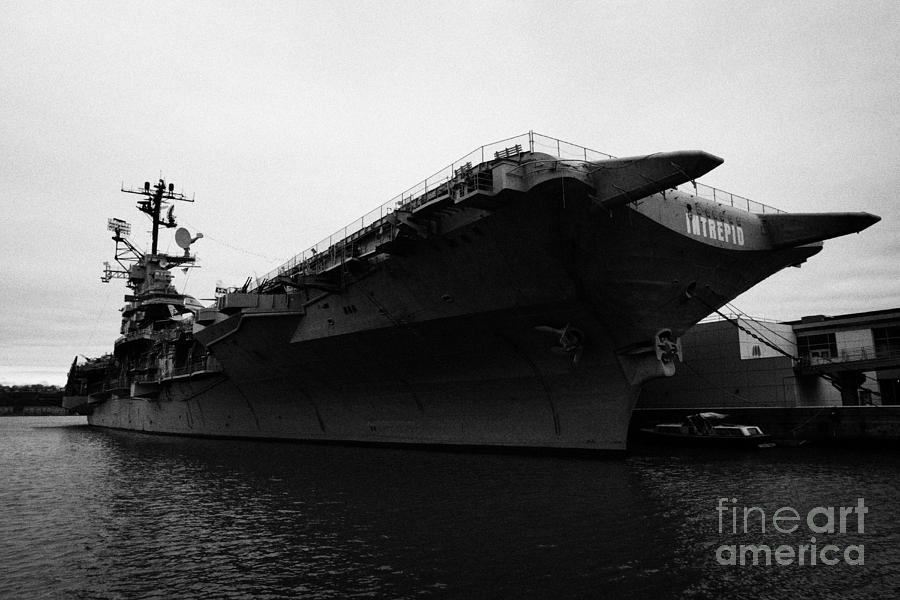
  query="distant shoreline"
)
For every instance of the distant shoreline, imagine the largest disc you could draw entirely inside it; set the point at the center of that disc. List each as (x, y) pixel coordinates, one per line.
(34, 411)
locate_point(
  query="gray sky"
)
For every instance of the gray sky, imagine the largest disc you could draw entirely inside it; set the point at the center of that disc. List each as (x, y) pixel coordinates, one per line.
(289, 120)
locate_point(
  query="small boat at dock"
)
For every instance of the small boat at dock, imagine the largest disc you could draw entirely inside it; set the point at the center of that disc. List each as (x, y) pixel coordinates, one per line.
(707, 429)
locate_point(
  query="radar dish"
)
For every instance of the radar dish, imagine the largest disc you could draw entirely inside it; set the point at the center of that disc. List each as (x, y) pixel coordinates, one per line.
(183, 238)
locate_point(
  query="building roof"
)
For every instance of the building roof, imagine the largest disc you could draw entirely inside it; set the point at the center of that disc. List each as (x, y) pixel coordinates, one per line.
(885, 317)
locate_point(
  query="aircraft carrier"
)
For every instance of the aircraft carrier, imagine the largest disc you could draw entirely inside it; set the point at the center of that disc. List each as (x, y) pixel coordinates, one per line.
(518, 298)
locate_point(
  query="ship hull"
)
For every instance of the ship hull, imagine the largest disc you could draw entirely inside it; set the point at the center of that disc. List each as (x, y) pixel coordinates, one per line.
(473, 381)
(443, 420)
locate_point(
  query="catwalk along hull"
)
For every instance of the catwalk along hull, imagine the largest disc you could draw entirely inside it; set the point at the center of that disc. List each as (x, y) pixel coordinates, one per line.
(526, 311)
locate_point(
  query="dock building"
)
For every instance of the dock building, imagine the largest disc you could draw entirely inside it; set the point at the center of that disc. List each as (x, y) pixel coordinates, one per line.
(732, 361)
(832, 379)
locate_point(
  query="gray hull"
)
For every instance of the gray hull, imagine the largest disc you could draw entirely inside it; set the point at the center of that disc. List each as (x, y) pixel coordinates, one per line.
(574, 412)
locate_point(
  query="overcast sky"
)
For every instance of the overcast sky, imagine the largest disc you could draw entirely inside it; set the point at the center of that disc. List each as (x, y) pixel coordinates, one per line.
(288, 120)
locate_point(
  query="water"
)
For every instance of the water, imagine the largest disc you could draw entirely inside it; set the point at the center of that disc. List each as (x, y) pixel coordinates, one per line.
(89, 513)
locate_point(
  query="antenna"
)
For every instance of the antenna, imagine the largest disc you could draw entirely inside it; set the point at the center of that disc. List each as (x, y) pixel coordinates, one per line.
(148, 273)
(125, 251)
(183, 238)
(120, 227)
(157, 196)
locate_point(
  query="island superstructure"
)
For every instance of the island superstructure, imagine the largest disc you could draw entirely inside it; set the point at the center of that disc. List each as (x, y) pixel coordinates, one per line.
(518, 298)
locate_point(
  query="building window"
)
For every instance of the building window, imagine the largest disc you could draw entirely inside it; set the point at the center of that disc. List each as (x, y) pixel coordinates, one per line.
(887, 341)
(756, 352)
(821, 346)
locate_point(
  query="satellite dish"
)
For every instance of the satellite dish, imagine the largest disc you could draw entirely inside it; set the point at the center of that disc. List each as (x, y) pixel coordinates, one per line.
(183, 238)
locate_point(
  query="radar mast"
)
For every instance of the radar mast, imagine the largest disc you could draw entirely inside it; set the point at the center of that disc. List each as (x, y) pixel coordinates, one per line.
(146, 273)
(157, 196)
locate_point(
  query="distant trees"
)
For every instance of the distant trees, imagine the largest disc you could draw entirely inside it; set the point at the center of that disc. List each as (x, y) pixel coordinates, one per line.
(32, 387)
(18, 397)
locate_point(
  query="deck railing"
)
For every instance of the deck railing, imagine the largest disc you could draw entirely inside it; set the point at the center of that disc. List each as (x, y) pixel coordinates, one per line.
(530, 141)
(727, 198)
(115, 383)
(850, 355)
(205, 364)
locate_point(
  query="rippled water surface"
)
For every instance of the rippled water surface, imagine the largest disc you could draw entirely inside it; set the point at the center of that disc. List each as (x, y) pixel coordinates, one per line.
(91, 513)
